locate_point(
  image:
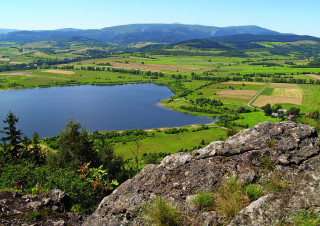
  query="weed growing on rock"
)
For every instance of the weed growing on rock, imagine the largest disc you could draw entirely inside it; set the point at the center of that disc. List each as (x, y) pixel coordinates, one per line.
(277, 182)
(309, 218)
(204, 200)
(231, 198)
(266, 162)
(271, 143)
(34, 215)
(254, 191)
(161, 212)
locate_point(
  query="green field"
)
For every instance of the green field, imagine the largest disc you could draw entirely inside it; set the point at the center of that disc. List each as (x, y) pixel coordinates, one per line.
(196, 81)
(172, 143)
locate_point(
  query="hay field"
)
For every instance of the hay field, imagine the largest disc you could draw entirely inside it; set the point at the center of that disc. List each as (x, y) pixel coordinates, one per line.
(262, 100)
(287, 92)
(152, 67)
(60, 72)
(314, 76)
(241, 94)
(275, 85)
(246, 83)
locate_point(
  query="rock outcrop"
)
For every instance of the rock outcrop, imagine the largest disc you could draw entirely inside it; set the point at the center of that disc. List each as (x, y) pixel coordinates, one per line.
(52, 209)
(292, 148)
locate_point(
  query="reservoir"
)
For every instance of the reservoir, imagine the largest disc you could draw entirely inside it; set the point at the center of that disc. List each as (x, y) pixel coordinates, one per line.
(121, 107)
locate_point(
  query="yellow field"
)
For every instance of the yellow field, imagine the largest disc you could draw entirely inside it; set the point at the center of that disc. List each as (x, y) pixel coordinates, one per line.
(60, 72)
(152, 67)
(242, 94)
(275, 85)
(287, 92)
(314, 76)
(246, 83)
(262, 100)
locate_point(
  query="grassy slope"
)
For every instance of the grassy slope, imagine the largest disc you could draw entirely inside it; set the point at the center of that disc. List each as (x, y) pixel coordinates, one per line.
(171, 143)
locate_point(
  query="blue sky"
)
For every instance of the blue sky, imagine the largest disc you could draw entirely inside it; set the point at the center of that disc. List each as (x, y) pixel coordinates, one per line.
(287, 16)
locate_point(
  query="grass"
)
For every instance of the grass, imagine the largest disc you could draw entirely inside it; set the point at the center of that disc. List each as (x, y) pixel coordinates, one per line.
(254, 118)
(167, 143)
(34, 215)
(254, 191)
(161, 212)
(308, 218)
(277, 182)
(230, 199)
(204, 200)
(266, 162)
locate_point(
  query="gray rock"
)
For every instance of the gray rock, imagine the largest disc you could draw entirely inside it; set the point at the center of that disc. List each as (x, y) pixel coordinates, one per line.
(293, 148)
(34, 205)
(60, 197)
(208, 218)
(59, 223)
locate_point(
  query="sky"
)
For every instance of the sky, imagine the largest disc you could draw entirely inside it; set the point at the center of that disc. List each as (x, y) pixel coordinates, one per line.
(287, 16)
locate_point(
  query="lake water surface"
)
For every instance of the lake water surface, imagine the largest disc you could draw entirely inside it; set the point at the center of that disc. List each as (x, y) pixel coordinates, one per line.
(121, 107)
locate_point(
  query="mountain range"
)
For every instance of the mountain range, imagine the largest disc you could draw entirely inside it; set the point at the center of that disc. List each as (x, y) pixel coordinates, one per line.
(134, 33)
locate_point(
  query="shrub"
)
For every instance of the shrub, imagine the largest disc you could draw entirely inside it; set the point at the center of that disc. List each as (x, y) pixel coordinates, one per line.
(204, 200)
(253, 191)
(161, 212)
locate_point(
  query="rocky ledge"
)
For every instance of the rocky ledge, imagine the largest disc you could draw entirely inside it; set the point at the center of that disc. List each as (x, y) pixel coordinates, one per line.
(16, 209)
(293, 150)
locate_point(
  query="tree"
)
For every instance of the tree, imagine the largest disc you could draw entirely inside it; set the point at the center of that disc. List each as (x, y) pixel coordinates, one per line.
(267, 109)
(12, 134)
(293, 111)
(75, 148)
(36, 154)
(111, 162)
(136, 154)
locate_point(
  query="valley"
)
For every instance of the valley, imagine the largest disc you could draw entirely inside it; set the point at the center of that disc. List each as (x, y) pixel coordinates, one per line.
(240, 79)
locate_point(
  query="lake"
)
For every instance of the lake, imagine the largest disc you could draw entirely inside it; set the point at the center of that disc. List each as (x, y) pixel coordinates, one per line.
(121, 107)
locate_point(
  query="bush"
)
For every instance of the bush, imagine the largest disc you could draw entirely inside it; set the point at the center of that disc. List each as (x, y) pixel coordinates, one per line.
(204, 200)
(31, 179)
(161, 212)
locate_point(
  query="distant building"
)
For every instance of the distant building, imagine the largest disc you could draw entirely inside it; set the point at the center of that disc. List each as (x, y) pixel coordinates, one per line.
(291, 116)
(307, 114)
(276, 115)
(282, 110)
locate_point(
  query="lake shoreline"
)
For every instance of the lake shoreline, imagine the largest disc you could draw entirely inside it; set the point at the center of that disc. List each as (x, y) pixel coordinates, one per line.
(102, 114)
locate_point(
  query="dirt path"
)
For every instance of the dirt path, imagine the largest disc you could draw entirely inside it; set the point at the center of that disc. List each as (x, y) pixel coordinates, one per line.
(250, 102)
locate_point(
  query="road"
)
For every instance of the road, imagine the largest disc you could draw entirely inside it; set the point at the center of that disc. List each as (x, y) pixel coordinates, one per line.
(249, 103)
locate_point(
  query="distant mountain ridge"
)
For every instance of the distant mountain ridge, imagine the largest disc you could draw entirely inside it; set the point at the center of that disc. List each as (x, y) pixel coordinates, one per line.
(245, 38)
(251, 29)
(134, 33)
(4, 30)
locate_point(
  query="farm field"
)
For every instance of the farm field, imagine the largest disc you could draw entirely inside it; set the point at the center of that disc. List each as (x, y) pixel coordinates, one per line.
(203, 82)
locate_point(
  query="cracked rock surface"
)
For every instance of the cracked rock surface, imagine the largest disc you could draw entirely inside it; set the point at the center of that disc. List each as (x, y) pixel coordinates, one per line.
(293, 148)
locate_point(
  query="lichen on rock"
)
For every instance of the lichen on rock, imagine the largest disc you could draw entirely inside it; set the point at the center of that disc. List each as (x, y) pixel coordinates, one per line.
(292, 148)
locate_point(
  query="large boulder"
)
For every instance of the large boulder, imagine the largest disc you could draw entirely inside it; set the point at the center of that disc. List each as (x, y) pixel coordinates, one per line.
(293, 149)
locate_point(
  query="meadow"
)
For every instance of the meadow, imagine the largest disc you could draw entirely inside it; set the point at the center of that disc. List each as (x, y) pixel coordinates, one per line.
(196, 80)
